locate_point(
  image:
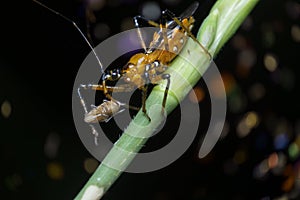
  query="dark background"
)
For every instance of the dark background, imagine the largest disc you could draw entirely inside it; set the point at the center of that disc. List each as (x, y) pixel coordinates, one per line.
(42, 156)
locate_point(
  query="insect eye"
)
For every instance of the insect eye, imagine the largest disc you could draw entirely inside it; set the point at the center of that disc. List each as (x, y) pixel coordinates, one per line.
(115, 75)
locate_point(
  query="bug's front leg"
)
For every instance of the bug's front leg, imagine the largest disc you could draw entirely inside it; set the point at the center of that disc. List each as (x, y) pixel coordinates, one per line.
(144, 89)
(83, 103)
(157, 81)
(109, 89)
(166, 77)
(144, 98)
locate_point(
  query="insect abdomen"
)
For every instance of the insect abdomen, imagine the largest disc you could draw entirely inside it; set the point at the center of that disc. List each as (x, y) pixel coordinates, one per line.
(103, 112)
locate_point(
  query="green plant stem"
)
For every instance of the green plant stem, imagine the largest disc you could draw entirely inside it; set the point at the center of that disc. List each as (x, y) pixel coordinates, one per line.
(224, 19)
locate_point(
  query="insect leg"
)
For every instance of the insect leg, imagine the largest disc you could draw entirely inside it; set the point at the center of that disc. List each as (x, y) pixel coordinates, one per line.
(95, 133)
(120, 88)
(144, 89)
(163, 26)
(166, 77)
(105, 90)
(144, 97)
(82, 101)
(138, 20)
(186, 29)
(114, 115)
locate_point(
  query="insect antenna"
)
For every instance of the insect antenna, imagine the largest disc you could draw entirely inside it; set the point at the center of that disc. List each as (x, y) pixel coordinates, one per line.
(94, 132)
(78, 29)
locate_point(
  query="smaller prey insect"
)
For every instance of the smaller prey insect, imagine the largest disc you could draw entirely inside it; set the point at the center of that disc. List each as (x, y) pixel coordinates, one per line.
(142, 69)
(102, 113)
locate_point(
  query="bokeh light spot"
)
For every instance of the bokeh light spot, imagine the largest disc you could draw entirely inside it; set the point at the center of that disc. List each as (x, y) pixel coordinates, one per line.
(288, 171)
(281, 162)
(247, 58)
(55, 171)
(261, 170)
(293, 150)
(295, 32)
(257, 91)
(273, 160)
(200, 94)
(151, 10)
(268, 35)
(126, 24)
(237, 101)
(293, 9)
(251, 120)
(6, 109)
(281, 141)
(101, 31)
(52, 145)
(229, 82)
(288, 184)
(270, 62)
(239, 42)
(242, 129)
(240, 157)
(90, 165)
(96, 4)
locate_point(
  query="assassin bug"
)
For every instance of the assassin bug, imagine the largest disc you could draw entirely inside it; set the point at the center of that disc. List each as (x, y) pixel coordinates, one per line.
(142, 69)
(149, 67)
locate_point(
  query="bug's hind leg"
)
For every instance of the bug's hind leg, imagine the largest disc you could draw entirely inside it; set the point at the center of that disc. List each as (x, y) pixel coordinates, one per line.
(139, 21)
(168, 13)
(163, 26)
